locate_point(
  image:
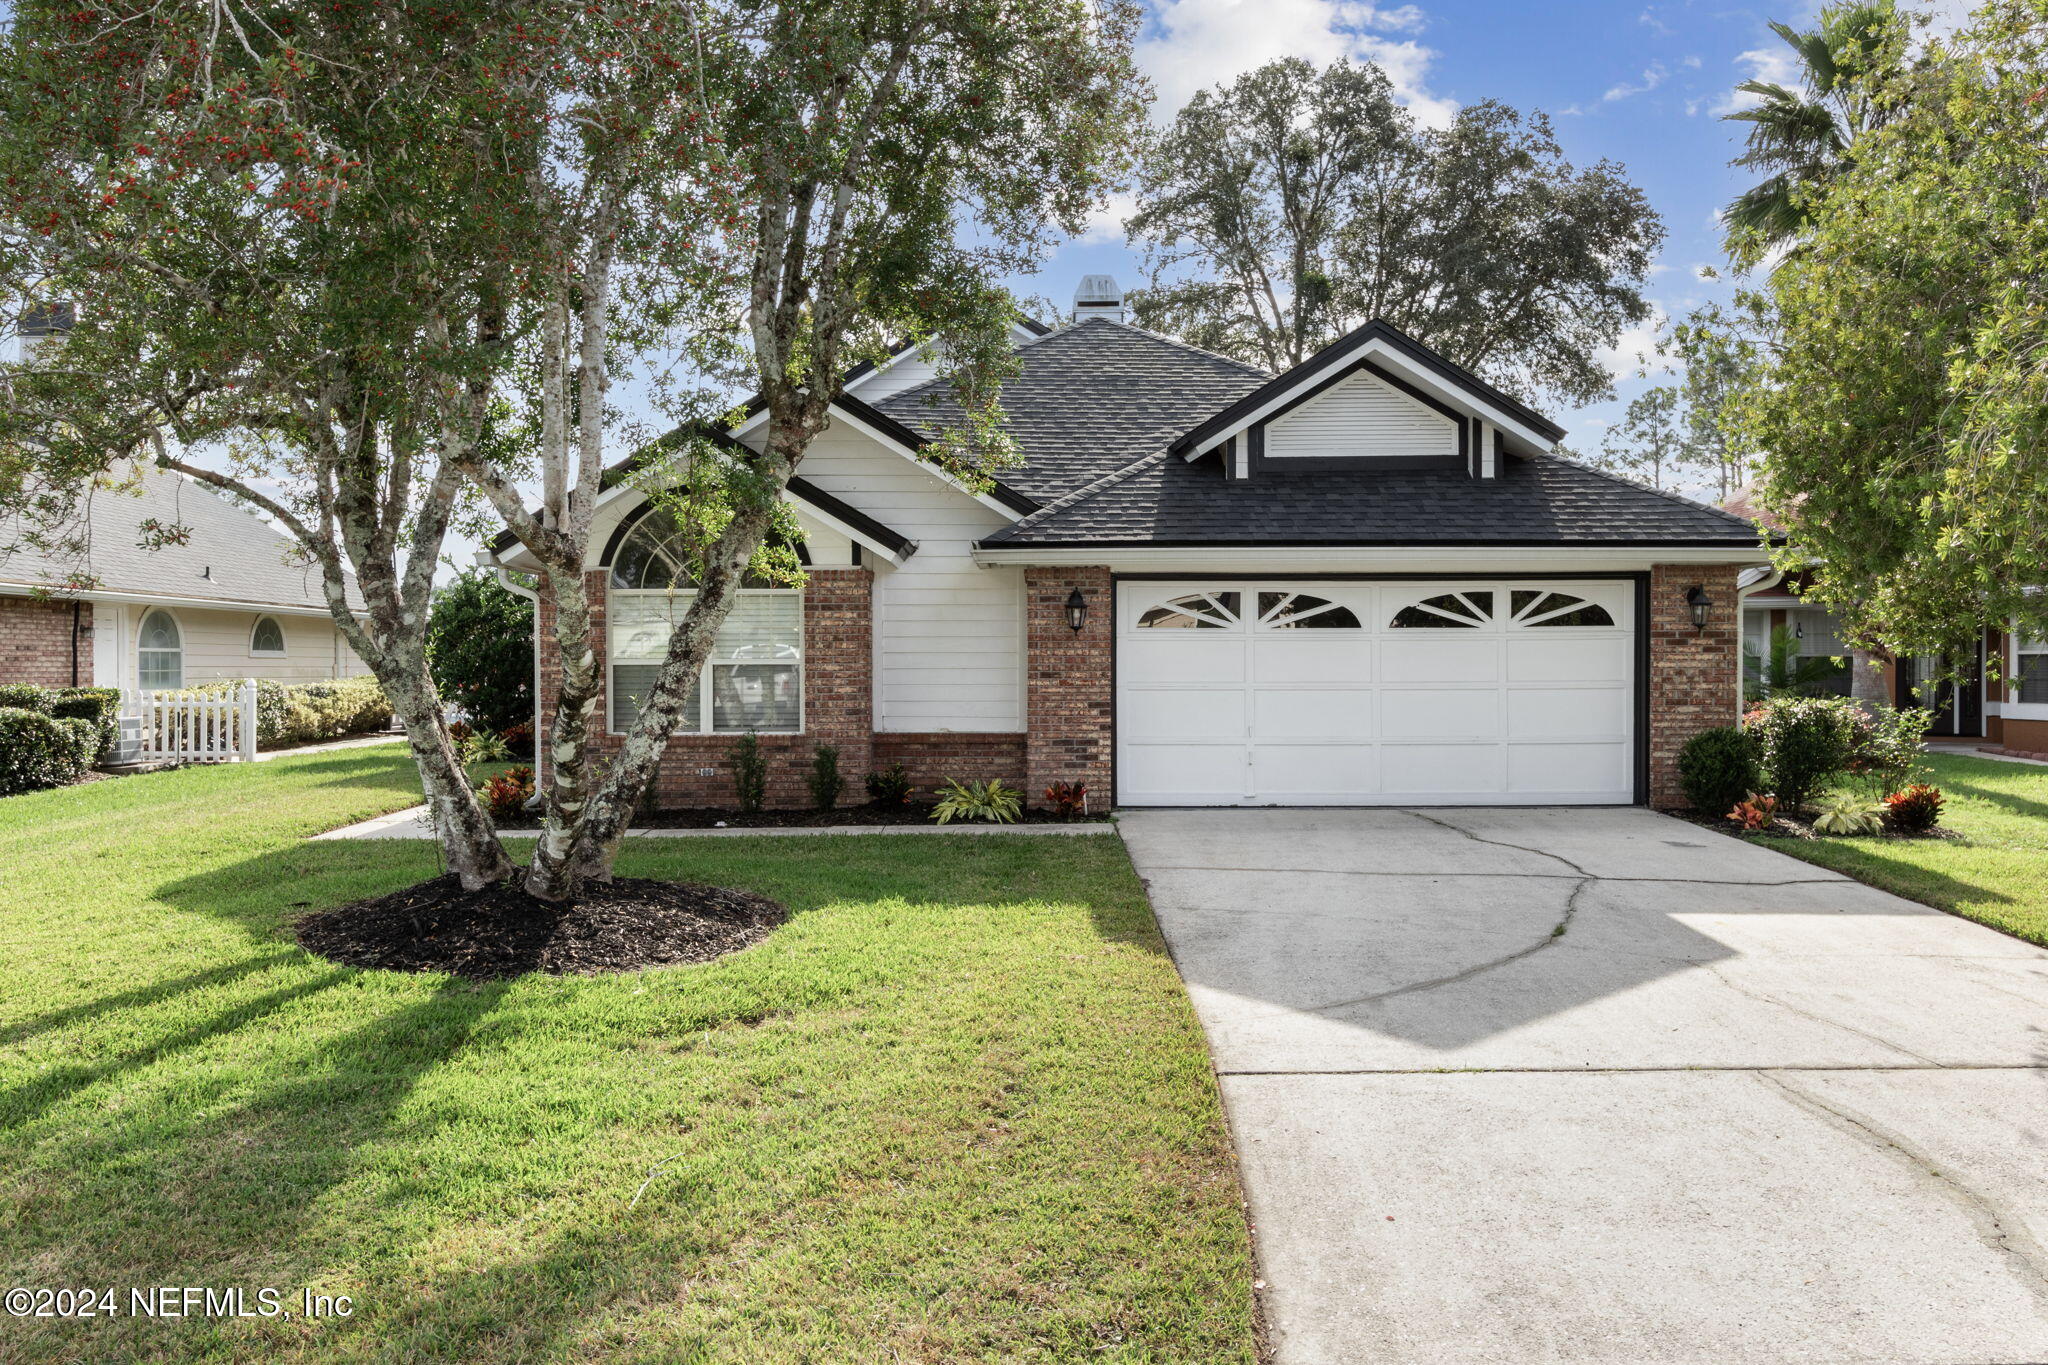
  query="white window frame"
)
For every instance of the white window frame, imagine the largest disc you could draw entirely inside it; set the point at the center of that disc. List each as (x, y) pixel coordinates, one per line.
(283, 641)
(2023, 648)
(142, 625)
(683, 596)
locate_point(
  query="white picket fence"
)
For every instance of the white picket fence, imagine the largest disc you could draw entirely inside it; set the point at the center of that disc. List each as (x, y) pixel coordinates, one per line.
(178, 727)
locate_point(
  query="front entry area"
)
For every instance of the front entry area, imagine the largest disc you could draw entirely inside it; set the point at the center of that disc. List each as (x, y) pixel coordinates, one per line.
(1357, 692)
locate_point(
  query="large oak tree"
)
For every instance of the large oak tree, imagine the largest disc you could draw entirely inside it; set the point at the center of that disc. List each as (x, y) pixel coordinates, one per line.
(1284, 209)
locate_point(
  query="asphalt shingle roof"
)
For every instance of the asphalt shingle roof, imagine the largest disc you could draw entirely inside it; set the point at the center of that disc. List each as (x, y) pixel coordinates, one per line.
(1089, 400)
(1165, 500)
(231, 556)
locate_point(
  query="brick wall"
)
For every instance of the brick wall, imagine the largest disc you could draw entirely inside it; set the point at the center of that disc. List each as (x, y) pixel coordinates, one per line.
(838, 702)
(1069, 700)
(35, 642)
(1695, 675)
(932, 758)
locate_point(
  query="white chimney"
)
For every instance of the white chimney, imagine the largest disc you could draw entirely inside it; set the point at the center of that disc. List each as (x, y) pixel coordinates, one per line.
(1098, 297)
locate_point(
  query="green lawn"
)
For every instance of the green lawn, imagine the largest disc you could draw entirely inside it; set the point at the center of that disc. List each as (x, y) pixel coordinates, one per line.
(957, 1110)
(1996, 874)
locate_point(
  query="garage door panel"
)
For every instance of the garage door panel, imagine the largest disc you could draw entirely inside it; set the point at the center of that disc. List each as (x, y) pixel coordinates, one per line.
(1440, 713)
(1567, 769)
(1404, 658)
(1184, 656)
(1576, 713)
(1546, 655)
(1306, 773)
(1286, 656)
(1442, 769)
(1312, 714)
(1182, 774)
(1155, 714)
(1499, 708)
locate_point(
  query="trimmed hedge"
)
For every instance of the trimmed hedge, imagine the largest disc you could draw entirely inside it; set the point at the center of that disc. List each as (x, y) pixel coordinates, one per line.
(25, 697)
(1717, 768)
(308, 713)
(100, 707)
(41, 750)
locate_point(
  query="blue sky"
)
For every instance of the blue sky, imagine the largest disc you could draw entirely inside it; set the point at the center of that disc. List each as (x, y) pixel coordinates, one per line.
(1644, 84)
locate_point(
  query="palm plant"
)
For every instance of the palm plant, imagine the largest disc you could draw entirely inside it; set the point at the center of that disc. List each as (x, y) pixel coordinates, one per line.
(1803, 139)
(1784, 672)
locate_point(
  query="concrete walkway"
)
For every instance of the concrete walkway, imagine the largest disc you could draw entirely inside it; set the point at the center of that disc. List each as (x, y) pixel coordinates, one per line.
(1600, 1085)
(412, 823)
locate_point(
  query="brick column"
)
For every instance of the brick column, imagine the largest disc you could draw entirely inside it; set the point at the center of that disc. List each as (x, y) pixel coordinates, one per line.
(1695, 675)
(1070, 701)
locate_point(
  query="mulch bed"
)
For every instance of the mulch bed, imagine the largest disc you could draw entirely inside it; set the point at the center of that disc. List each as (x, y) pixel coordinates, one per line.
(717, 817)
(1800, 826)
(500, 931)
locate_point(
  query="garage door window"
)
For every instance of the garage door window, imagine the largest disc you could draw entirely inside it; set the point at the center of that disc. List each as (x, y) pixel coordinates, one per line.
(1300, 611)
(1557, 609)
(1446, 612)
(1197, 611)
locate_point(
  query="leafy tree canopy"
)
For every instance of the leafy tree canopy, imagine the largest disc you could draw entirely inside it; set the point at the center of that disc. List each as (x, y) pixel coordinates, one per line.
(1287, 208)
(1902, 398)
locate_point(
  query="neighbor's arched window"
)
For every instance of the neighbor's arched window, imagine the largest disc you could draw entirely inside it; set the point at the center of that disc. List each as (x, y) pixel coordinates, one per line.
(754, 678)
(267, 637)
(160, 652)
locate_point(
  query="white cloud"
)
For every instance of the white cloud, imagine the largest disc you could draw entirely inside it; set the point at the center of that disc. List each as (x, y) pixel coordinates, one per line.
(1636, 349)
(1774, 65)
(1107, 223)
(1691, 63)
(1200, 43)
(1653, 76)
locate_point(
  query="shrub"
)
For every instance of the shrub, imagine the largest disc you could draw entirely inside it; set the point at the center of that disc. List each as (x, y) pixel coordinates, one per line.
(749, 772)
(1717, 768)
(506, 795)
(1802, 743)
(25, 697)
(1849, 813)
(1069, 800)
(460, 731)
(309, 713)
(988, 802)
(1884, 744)
(1755, 812)
(480, 649)
(39, 750)
(518, 739)
(1914, 809)
(100, 707)
(891, 786)
(826, 783)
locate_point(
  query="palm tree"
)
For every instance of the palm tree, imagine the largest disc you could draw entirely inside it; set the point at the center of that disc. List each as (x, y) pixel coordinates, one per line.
(1804, 138)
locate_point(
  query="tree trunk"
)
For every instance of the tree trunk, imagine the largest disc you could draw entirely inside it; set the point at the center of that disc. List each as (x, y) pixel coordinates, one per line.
(553, 875)
(469, 841)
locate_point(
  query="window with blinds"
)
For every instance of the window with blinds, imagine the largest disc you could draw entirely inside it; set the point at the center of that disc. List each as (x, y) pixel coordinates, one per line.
(2030, 669)
(753, 680)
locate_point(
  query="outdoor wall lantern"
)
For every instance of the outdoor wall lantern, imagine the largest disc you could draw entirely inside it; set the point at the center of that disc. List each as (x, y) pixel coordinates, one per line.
(1696, 598)
(1077, 611)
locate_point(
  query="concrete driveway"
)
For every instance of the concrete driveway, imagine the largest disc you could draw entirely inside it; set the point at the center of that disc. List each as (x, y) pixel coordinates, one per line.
(1599, 1085)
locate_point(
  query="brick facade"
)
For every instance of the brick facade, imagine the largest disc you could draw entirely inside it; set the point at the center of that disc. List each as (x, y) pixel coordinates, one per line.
(838, 702)
(36, 642)
(932, 758)
(1695, 675)
(1070, 702)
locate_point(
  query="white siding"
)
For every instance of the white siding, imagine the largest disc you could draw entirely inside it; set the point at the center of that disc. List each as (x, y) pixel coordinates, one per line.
(1361, 418)
(907, 373)
(216, 645)
(949, 636)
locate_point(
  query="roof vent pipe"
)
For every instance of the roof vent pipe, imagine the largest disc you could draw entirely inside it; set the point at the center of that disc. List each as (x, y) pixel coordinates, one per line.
(1099, 297)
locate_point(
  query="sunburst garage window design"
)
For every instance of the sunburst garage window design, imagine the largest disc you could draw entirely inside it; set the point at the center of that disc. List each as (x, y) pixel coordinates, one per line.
(1196, 611)
(754, 678)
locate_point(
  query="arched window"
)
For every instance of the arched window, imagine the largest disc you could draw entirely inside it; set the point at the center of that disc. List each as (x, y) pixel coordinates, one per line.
(754, 679)
(160, 652)
(1448, 611)
(1302, 611)
(266, 637)
(1537, 608)
(1196, 611)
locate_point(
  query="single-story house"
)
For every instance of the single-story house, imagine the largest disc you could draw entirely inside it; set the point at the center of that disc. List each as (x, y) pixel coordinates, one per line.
(2011, 711)
(1368, 580)
(230, 600)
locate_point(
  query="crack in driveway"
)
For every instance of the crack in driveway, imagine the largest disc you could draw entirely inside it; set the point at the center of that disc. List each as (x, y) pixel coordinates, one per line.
(1996, 1229)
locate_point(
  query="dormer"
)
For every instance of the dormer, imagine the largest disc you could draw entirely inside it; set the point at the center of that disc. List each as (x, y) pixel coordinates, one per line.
(1377, 399)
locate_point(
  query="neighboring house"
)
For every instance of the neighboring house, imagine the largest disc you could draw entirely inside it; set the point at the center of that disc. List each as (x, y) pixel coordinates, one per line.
(1365, 581)
(1973, 709)
(229, 602)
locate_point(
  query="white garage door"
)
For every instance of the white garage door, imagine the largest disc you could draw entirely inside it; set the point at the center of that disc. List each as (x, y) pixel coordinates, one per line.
(1370, 693)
